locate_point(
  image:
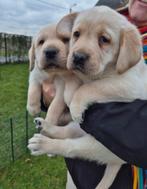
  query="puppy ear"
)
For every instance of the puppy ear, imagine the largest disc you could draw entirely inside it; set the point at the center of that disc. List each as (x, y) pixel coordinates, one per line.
(32, 56)
(130, 49)
(64, 27)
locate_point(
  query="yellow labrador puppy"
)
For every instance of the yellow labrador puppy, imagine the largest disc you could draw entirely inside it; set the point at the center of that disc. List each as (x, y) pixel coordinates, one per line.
(48, 57)
(106, 52)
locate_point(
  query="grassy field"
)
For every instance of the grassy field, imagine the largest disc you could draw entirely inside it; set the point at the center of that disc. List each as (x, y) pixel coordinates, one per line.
(27, 172)
(34, 173)
(13, 89)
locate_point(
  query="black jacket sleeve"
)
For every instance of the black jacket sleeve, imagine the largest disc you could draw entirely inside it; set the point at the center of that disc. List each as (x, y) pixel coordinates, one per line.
(121, 127)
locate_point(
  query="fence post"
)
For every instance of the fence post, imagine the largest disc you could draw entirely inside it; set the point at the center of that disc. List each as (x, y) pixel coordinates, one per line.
(12, 141)
(27, 134)
(5, 41)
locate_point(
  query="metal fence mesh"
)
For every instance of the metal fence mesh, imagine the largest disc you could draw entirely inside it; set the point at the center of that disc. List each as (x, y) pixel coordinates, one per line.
(14, 135)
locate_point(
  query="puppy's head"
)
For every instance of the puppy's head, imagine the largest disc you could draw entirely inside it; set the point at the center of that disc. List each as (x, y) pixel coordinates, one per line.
(100, 38)
(48, 51)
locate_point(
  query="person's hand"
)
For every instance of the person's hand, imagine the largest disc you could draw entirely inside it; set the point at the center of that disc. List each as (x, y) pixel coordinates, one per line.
(49, 92)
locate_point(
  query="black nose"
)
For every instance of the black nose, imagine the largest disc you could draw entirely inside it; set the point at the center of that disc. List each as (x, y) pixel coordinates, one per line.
(51, 53)
(79, 59)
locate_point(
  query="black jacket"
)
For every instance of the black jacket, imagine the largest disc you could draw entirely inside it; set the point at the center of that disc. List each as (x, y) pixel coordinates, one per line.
(122, 128)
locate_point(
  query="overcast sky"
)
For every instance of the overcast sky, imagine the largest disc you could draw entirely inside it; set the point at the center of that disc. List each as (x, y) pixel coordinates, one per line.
(28, 16)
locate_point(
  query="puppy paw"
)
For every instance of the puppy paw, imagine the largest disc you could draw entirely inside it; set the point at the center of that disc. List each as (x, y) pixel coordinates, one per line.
(37, 144)
(39, 122)
(33, 109)
(40, 144)
(44, 126)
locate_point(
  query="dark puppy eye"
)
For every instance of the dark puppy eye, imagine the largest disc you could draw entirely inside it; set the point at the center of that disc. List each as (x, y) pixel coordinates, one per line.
(65, 40)
(76, 34)
(41, 42)
(103, 40)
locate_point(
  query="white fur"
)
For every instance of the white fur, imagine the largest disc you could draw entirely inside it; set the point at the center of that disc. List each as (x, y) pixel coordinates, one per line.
(121, 82)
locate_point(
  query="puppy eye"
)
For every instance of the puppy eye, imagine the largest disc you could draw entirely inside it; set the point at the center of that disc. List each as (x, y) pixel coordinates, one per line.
(76, 34)
(103, 40)
(41, 42)
(65, 40)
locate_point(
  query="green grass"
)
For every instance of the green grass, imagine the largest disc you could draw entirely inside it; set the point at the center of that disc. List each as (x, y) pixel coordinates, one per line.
(13, 89)
(34, 173)
(27, 172)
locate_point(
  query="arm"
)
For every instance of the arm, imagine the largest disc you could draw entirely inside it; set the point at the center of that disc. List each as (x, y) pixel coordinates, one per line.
(121, 88)
(119, 128)
(122, 128)
(85, 147)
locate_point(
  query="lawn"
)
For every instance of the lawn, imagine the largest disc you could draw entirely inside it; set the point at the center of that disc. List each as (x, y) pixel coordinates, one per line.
(34, 173)
(27, 172)
(13, 89)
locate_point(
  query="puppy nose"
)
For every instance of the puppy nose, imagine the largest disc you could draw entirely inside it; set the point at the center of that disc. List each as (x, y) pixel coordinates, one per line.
(51, 53)
(80, 58)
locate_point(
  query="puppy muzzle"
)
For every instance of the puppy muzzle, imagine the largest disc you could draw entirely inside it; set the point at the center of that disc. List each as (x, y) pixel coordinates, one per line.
(51, 53)
(79, 60)
(51, 57)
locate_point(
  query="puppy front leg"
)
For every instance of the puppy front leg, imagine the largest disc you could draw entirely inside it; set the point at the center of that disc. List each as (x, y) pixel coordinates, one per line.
(34, 96)
(72, 130)
(55, 110)
(57, 106)
(85, 147)
(99, 92)
(83, 97)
